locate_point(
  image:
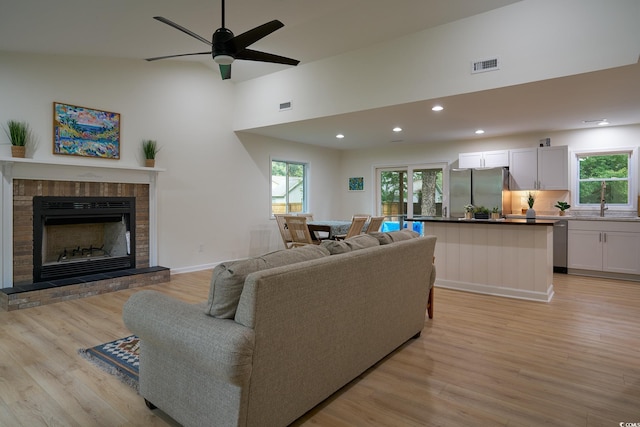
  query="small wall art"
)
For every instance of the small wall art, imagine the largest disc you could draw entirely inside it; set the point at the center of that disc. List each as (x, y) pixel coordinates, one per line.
(356, 183)
(86, 132)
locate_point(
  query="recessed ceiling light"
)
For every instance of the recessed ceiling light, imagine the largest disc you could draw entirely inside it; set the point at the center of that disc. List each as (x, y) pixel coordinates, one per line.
(397, 129)
(339, 136)
(479, 132)
(437, 108)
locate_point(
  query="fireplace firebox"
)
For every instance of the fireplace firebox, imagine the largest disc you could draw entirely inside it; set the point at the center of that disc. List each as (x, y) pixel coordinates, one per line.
(78, 236)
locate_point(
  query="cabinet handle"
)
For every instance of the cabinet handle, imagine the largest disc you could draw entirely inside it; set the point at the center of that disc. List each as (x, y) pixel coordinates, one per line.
(605, 237)
(599, 237)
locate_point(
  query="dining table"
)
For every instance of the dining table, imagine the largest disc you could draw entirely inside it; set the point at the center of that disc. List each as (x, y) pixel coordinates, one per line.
(328, 229)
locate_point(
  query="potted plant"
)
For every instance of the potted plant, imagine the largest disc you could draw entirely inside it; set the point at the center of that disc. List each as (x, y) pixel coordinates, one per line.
(481, 213)
(19, 135)
(495, 212)
(531, 199)
(468, 211)
(563, 206)
(150, 149)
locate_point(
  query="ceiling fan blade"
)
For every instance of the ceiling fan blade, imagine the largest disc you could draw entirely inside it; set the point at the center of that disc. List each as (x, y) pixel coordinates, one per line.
(254, 55)
(181, 28)
(247, 38)
(175, 56)
(225, 71)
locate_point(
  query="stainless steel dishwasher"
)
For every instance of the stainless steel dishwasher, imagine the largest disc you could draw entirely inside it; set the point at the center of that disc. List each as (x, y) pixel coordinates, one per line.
(560, 246)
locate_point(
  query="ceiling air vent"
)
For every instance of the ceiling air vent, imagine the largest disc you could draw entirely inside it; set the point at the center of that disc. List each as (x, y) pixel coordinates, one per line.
(285, 106)
(484, 65)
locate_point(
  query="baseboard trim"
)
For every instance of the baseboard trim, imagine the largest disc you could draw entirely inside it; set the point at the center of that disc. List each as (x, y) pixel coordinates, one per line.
(193, 268)
(497, 290)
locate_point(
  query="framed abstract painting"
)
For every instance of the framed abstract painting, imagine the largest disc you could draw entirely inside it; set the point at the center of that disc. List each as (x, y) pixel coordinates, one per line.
(86, 132)
(356, 184)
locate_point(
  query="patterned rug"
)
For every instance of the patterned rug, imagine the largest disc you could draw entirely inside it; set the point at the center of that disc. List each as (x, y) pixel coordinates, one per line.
(119, 358)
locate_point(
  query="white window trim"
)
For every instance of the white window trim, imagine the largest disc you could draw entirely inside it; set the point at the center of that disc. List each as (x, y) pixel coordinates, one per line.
(307, 167)
(631, 206)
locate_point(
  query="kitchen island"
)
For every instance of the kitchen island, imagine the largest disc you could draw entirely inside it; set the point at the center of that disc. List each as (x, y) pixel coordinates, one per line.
(506, 257)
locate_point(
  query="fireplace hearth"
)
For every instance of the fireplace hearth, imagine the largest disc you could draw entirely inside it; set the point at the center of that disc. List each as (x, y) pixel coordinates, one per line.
(77, 236)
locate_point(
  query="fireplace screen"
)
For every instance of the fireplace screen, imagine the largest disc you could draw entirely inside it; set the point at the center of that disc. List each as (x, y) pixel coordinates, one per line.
(82, 235)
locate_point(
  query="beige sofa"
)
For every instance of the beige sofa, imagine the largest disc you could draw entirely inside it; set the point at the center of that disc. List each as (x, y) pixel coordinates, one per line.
(299, 332)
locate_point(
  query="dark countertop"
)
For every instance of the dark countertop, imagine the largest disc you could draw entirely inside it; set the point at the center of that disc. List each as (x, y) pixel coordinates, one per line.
(544, 222)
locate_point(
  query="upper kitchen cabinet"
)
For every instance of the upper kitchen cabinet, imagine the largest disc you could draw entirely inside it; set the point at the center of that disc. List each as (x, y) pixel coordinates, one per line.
(539, 168)
(484, 159)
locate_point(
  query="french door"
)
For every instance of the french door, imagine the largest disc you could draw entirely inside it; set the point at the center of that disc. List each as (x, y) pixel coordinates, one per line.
(410, 191)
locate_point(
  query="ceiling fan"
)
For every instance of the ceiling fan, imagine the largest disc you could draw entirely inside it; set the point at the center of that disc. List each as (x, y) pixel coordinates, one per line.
(225, 47)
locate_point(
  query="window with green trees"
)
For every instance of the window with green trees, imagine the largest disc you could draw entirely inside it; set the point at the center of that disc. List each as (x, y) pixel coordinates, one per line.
(288, 187)
(612, 169)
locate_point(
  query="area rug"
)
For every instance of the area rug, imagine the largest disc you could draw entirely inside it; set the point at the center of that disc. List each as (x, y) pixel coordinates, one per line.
(119, 358)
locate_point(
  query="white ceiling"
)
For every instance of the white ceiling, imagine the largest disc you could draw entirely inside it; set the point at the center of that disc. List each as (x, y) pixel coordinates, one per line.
(315, 30)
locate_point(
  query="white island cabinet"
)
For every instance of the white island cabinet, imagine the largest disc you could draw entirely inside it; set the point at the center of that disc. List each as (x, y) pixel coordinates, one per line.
(509, 258)
(598, 246)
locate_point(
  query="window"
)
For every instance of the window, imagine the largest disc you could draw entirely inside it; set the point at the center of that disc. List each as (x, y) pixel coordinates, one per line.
(609, 174)
(288, 187)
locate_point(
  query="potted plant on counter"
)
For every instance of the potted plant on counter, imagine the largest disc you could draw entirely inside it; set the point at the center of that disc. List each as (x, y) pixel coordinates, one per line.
(495, 212)
(531, 199)
(150, 149)
(563, 206)
(19, 135)
(481, 213)
(468, 211)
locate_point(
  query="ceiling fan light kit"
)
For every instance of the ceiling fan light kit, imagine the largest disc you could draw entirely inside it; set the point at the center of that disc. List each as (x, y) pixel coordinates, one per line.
(226, 48)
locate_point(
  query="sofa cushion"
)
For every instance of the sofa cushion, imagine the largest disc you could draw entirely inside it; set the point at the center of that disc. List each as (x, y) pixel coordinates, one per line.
(228, 278)
(354, 243)
(406, 234)
(361, 241)
(382, 237)
(395, 236)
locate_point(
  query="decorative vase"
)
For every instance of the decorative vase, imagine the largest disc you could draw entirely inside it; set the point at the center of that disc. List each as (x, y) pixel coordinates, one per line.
(561, 213)
(495, 215)
(150, 163)
(18, 150)
(481, 215)
(531, 213)
(468, 215)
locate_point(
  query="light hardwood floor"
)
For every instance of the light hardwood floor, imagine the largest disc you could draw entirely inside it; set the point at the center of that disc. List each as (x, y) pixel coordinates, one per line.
(482, 361)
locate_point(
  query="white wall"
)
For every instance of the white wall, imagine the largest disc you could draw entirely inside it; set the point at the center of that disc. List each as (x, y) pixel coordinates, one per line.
(534, 39)
(363, 163)
(213, 198)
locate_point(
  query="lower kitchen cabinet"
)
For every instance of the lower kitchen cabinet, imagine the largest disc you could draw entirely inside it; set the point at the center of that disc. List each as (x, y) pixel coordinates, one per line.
(607, 246)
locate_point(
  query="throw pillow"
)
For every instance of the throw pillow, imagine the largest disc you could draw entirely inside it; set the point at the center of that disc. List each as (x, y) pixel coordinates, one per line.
(228, 278)
(336, 247)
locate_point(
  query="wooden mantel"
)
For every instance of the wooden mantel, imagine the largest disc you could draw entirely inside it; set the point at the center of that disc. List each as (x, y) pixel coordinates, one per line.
(94, 170)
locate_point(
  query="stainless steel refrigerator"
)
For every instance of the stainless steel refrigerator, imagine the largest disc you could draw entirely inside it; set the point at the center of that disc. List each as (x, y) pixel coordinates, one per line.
(479, 187)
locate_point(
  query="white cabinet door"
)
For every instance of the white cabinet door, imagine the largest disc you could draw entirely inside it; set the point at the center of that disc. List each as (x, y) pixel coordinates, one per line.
(621, 252)
(484, 159)
(553, 168)
(496, 159)
(539, 168)
(523, 169)
(470, 160)
(584, 250)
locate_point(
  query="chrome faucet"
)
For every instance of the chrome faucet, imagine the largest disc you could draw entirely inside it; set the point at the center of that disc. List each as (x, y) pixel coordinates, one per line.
(603, 186)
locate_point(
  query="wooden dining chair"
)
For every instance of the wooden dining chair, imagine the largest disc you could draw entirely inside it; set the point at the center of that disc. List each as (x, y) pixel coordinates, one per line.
(374, 224)
(284, 231)
(357, 222)
(307, 215)
(299, 230)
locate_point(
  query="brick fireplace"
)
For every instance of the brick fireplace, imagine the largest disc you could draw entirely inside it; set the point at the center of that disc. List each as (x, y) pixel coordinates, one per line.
(28, 180)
